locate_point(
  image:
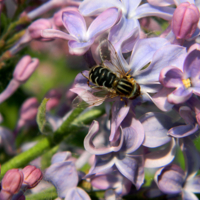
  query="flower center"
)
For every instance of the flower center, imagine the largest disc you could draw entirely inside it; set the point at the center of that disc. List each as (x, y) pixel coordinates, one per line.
(186, 83)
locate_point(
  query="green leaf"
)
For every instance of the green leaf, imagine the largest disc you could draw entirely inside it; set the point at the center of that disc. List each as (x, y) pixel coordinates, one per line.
(5, 21)
(44, 126)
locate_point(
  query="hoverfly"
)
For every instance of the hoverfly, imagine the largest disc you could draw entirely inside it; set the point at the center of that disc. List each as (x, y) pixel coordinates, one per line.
(109, 79)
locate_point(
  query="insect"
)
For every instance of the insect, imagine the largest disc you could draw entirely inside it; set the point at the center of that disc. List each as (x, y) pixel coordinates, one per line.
(109, 78)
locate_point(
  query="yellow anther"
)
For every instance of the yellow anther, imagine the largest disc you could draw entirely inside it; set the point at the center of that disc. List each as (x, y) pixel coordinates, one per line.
(186, 83)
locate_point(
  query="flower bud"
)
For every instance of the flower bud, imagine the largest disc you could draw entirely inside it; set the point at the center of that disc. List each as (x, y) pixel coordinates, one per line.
(32, 176)
(28, 114)
(24, 69)
(11, 183)
(37, 26)
(185, 20)
(29, 109)
(54, 99)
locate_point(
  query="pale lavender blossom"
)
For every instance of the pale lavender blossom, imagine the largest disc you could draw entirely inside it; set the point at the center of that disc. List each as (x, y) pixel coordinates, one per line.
(184, 130)
(123, 153)
(184, 79)
(63, 175)
(172, 180)
(155, 51)
(23, 70)
(128, 26)
(80, 38)
(156, 127)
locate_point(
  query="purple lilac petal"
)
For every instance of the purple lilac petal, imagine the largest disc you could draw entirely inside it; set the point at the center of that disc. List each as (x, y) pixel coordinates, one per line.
(155, 127)
(147, 10)
(119, 112)
(160, 99)
(196, 90)
(77, 48)
(128, 45)
(112, 179)
(89, 8)
(191, 155)
(150, 87)
(195, 80)
(162, 58)
(191, 64)
(183, 130)
(75, 24)
(81, 81)
(53, 33)
(105, 181)
(171, 77)
(193, 185)
(161, 2)
(90, 147)
(103, 22)
(170, 179)
(77, 193)
(123, 30)
(143, 52)
(131, 140)
(133, 136)
(186, 113)
(162, 157)
(131, 6)
(186, 195)
(129, 166)
(102, 164)
(110, 194)
(180, 95)
(63, 176)
(60, 157)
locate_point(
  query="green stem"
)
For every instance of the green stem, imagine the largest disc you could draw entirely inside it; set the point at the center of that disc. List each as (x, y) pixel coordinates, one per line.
(45, 144)
(25, 157)
(49, 193)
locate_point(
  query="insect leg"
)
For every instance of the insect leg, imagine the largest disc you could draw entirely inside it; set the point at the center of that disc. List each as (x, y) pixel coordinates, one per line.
(88, 80)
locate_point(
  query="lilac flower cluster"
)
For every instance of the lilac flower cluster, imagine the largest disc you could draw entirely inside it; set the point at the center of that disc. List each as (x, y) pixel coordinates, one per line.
(139, 133)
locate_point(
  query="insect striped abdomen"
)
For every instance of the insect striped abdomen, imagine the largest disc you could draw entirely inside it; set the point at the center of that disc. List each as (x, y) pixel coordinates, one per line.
(124, 87)
(102, 76)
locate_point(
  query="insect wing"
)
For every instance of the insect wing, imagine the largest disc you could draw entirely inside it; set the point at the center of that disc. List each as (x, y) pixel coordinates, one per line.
(89, 99)
(109, 55)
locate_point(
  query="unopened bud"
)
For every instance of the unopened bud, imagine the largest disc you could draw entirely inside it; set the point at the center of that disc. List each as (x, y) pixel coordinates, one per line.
(54, 99)
(28, 114)
(11, 183)
(37, 27)
(185, 20)
(29, 109)
(24, 69)
(32, 176)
